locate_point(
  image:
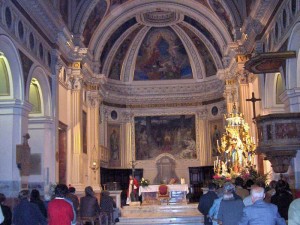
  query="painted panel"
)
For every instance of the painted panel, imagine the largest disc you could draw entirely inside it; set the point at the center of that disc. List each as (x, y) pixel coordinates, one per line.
(216, 129)
(162, 56)
(175, 135)
(113, 143)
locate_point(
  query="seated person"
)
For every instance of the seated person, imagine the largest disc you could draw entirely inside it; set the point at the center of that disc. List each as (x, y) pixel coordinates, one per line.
(108, 205)
(73, 198)
(89, 206)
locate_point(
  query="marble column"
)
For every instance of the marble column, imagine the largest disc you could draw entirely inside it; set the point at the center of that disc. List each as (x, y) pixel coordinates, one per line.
(74, 84)
(93, 162)
(205, 155)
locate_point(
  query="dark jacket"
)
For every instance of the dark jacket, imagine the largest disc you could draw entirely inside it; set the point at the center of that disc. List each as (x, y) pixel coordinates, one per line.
(89, 206)
(27, 213)
(74, 199)
(205, 202)
(41, 206)
(7, 215)
(283, 200)
(231, 211)
(107, 204)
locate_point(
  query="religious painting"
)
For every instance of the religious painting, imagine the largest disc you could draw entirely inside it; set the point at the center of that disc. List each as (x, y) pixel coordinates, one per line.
(63, 9)
(155, 135)
(205, 32)
(113, 144)
(222, 14)
(162, 56)
(287, 130)
(116, 66)
(93, 21)
(204, 53)
(114, 37)
(216, 129)
(84, 132)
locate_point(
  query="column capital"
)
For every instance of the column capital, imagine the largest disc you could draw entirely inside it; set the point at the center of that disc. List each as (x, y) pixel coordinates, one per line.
(93, 99)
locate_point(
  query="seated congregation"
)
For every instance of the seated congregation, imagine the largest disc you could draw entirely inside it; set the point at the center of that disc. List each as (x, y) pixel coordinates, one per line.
(249, 203)
(63, 208)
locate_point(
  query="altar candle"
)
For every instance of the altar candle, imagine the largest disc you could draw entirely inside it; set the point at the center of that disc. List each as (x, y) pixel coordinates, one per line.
(217, 143)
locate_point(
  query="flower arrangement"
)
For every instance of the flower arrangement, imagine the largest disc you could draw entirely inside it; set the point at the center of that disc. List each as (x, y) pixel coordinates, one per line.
(144, 182)
(246, 174)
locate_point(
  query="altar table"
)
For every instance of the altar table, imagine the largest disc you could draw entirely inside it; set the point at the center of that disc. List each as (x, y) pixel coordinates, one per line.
(177, 193)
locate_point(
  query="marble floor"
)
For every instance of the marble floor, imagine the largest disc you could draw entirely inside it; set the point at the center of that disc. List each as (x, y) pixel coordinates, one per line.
(187, 214)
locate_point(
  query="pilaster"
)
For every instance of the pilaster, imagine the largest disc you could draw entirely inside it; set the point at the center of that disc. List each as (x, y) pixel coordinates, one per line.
(93, 103)
(75, 86)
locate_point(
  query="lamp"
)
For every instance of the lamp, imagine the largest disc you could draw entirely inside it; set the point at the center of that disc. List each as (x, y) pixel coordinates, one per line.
(94, 161)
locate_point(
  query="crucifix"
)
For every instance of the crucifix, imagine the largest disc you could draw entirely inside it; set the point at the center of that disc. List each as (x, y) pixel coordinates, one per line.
(133, 164)
(253, 100)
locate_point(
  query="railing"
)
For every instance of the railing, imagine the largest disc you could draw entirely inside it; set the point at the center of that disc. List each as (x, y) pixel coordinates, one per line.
(104, 153)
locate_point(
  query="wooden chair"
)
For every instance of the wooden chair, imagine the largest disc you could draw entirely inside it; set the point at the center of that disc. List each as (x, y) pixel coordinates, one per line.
(101, 219)
(91, 219)
(163, 193)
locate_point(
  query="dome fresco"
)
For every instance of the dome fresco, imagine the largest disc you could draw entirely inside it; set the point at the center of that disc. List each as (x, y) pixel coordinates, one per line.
(162, 56)
(115, 68)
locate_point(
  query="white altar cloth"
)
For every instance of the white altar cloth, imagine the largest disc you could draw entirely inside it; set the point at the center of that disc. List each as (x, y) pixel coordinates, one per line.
(172, 187)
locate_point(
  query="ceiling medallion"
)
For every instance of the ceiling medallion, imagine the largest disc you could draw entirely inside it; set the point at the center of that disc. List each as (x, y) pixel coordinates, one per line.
(160, 18)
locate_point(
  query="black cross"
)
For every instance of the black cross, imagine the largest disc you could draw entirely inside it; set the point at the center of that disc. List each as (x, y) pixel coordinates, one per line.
(133, 164)
(253, 100)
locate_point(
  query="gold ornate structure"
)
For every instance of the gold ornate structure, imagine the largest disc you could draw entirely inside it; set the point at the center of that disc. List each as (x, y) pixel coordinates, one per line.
(237, 147)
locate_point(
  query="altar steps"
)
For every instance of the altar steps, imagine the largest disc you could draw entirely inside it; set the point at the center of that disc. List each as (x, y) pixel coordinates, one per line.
(161, 215)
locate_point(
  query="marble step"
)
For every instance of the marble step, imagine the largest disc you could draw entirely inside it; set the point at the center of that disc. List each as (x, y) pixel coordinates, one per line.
(187, 214)
(195, 220)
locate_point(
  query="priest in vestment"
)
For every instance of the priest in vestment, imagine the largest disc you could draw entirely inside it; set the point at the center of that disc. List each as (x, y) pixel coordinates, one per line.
(132, 194)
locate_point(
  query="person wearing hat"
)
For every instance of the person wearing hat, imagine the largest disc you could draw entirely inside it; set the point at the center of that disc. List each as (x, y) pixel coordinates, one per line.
(226, 214)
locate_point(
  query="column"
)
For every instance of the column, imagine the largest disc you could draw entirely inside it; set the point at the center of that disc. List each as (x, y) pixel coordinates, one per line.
(244, 93)
(93, 163)
(50, 167)
(75, 121)
(204, 138)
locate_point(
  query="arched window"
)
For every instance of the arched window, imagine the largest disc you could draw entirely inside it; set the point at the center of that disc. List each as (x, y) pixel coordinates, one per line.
(279, 88)
(35, 97)
(4, 84)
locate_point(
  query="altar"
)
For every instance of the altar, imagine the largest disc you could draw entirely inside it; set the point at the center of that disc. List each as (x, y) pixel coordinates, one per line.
(177, 193)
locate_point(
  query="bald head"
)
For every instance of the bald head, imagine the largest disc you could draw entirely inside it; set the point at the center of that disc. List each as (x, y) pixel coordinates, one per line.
(257, 193)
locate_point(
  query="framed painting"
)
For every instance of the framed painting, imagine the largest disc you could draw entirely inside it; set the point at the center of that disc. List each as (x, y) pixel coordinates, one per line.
(113, 143)
(155, 135)
(216, 128)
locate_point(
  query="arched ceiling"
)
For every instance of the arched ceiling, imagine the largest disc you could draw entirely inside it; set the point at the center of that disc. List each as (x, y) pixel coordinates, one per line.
(149, 42)
(170, 42)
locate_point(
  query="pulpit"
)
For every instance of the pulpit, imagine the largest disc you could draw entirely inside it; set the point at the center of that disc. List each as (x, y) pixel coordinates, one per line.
(177, 194)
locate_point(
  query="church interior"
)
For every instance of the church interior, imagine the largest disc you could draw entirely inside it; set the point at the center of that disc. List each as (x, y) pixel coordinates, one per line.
(92, 91)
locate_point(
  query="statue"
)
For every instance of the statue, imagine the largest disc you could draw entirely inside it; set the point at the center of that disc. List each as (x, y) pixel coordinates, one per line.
(237, 149)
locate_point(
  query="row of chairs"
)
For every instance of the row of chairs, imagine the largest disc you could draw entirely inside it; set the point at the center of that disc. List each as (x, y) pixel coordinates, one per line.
(104, 218)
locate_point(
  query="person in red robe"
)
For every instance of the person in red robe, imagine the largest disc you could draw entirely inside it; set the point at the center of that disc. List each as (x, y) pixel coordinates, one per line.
(133, 188)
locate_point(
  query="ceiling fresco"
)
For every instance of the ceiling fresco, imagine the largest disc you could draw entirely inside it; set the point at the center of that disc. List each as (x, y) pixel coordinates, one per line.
(162, 56)
(93, 21)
